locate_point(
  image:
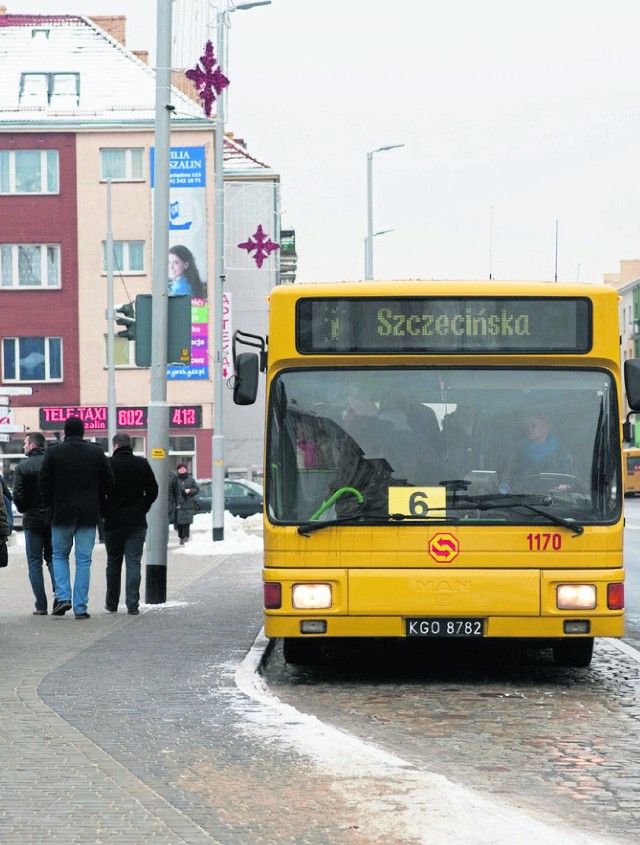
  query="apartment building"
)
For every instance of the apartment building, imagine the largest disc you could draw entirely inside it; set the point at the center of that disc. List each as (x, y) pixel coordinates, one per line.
(77, 113)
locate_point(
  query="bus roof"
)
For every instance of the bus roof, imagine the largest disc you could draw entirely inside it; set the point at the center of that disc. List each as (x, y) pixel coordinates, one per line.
(438, 287)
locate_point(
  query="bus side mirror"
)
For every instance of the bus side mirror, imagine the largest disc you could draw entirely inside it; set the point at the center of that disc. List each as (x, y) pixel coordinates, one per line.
(627, 430)
(245, 386)
(632, 382)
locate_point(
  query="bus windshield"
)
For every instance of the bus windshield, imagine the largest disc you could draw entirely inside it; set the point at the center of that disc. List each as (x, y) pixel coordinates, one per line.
(479, 445)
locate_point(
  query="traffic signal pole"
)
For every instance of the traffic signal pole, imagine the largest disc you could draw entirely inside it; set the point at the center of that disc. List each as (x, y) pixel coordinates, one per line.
(158, 430)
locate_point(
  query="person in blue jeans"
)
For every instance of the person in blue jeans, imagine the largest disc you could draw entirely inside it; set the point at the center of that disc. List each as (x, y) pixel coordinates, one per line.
(74, 475)
(36, 522)
(125, 511)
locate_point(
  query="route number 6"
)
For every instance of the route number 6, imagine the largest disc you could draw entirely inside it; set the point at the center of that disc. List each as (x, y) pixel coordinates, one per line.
(418, 504)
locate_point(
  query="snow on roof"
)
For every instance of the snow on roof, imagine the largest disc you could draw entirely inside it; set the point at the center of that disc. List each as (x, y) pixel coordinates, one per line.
(115, 85)
(237, 159)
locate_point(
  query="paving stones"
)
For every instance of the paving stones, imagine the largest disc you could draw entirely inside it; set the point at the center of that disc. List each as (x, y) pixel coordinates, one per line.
(120, 731)
(503, 721)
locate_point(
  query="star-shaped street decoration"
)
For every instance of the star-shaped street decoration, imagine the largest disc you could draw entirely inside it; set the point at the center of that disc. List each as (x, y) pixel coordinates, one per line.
(263, 245)
(209, 82)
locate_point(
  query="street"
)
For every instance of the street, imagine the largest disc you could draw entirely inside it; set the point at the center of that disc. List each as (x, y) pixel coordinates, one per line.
(632, 563)
(502, 720)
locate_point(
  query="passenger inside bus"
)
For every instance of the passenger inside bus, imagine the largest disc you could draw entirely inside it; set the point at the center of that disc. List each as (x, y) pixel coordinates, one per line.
(460, 440)
(540, 449)
(308, 454)
(421, 419)
(361, 421)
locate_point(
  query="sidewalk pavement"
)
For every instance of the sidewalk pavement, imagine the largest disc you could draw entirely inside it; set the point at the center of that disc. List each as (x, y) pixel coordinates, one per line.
(129, 729)
(58, 785)
(156, 729)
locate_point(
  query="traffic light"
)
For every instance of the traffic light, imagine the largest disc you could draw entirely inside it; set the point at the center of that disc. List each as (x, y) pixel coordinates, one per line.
(178, 330)
(125, 316)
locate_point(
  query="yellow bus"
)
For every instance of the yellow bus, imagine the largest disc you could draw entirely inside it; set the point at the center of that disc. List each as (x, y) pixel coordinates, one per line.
(631, 464)
(442, 460)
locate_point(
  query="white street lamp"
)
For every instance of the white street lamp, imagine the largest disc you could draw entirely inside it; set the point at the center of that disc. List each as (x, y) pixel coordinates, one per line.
(366, 242)
(368, 252)
(217, 446)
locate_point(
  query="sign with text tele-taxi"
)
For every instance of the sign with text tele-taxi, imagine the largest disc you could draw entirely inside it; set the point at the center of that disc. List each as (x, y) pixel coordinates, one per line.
(130, 417)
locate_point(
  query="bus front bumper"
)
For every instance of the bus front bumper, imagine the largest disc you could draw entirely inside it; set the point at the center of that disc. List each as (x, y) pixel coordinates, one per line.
(396, 626)
(515, 603)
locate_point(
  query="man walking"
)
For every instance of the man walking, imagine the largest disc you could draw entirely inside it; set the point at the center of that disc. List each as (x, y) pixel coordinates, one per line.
(36, 522)
(73, 476)
(125, 522)
(4, 534)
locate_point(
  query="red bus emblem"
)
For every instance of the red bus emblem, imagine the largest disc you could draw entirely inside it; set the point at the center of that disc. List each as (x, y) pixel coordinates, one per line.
(444, 547)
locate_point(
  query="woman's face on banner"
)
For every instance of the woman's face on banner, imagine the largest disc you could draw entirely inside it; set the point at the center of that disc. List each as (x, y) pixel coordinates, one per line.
(177, 267)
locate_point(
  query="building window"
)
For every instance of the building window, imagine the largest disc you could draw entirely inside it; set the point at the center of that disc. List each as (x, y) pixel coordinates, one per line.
(128, 256)
(32, 359)
(137, 445)
(182, 444)
(59, 90)
(29, 172)
(29, 265)
(122, 164)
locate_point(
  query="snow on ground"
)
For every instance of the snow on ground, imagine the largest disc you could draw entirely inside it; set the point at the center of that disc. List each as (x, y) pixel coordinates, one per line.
(391, 800)
(240, 535)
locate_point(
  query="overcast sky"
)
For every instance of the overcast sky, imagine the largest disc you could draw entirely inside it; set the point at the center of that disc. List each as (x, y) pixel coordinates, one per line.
(513, 115)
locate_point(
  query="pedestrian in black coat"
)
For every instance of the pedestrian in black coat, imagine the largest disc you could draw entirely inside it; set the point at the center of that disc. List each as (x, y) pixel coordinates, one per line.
(125, 522)
(73, 476)
(172, 497)
(4, 533)
(7, 496)
(36, 522)
(186, 505)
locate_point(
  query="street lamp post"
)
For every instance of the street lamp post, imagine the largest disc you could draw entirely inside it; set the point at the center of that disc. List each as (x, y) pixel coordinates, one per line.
(366, 243)
(368, 253)
(217, 445)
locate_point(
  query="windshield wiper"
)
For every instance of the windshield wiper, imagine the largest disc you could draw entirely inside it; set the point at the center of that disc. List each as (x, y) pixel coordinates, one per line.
(485, 502)
(370, 519)
(317, 524)
(493, 503)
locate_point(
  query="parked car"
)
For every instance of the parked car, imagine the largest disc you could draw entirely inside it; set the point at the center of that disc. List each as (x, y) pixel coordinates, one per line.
(241, 496)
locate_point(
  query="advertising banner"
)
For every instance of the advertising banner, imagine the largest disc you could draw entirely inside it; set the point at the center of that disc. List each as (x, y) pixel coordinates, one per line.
(187, 260)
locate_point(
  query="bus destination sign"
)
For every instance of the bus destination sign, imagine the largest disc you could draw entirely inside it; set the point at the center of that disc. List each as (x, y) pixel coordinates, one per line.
(443, 325)
(95, 417)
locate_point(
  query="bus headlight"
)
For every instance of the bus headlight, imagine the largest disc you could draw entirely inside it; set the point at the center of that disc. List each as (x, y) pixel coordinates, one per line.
(576, 596)
(311, 596)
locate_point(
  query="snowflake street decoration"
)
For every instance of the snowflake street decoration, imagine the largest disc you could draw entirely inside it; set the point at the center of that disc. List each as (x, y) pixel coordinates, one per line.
(262, 244)
(209, 82)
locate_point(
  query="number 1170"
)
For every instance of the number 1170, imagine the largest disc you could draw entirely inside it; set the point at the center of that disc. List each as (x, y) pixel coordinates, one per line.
(544, 542)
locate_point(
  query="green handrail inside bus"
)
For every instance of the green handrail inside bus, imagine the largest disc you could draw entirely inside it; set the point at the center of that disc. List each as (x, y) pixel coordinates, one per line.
(330, 501)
